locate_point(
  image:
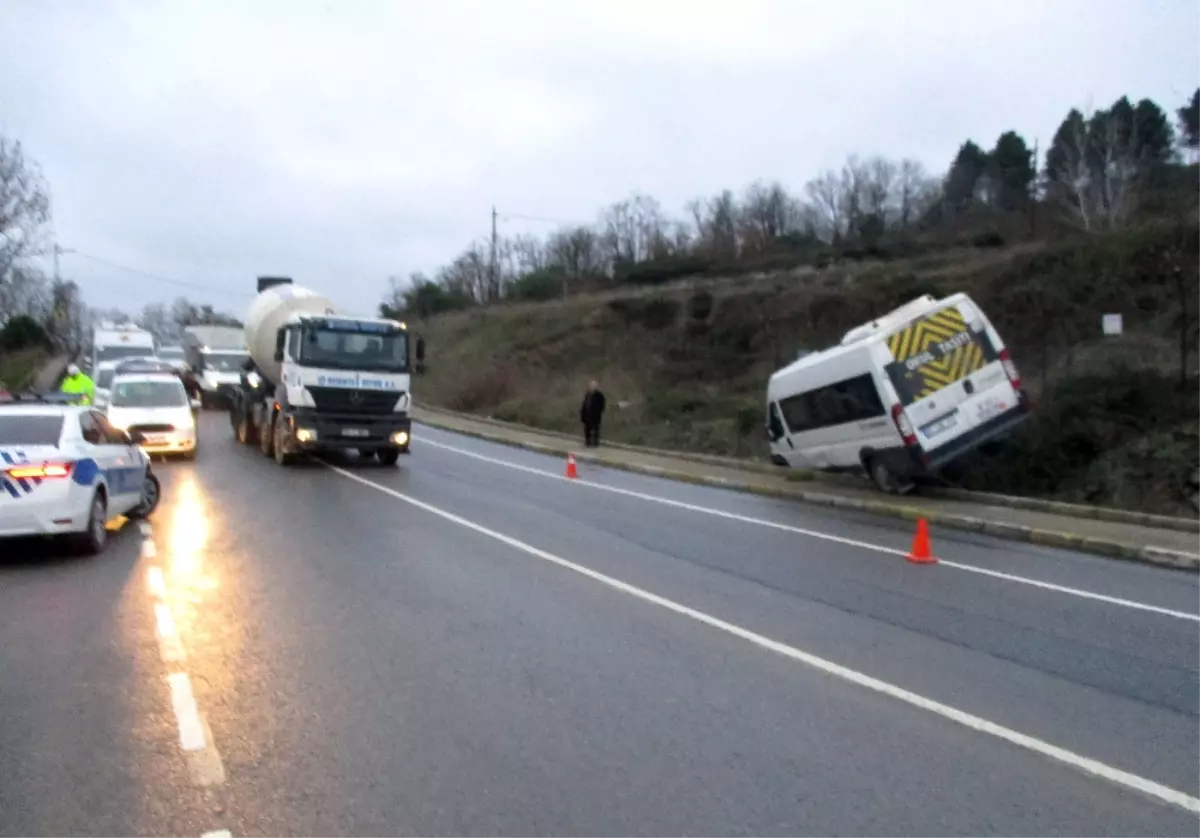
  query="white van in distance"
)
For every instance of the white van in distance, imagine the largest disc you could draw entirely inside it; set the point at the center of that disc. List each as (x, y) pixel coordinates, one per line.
(899, 397)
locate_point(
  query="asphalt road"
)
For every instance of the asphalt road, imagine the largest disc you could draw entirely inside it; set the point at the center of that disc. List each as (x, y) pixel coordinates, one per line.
(469, 644)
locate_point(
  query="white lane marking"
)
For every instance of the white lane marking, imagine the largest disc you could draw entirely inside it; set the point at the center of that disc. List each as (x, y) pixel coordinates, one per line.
(1069, 758)
(220, 833)
(187, 715)
(169, 644)
(149, 550)
(866, 545)
(1082, 763)
(156, 583)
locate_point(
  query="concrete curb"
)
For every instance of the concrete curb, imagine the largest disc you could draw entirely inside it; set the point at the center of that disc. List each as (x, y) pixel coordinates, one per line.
(1072, 510)
(1014, 532)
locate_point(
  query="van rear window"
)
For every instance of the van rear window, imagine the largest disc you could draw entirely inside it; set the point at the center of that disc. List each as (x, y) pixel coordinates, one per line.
(934, 352)
(29, 429)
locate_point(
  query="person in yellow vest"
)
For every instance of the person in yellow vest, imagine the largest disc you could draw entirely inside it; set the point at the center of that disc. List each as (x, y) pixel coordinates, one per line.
(78, 382)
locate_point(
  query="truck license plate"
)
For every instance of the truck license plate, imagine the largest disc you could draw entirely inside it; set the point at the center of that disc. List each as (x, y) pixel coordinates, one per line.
(355, 432)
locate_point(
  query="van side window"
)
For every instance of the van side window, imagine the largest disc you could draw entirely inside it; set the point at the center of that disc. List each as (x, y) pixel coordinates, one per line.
(853, 400)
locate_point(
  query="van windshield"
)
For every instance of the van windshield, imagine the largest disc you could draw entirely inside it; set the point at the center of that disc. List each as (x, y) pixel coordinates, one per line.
(149, 394)
(934, 352)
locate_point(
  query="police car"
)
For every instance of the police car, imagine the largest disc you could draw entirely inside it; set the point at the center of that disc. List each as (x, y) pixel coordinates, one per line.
(66, 471)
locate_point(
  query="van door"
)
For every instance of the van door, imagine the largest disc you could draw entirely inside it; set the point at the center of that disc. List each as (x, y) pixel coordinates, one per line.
(947, 372)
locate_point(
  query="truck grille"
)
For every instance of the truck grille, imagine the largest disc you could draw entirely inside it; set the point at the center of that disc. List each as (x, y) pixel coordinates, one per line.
(339, 400)
(151, 429)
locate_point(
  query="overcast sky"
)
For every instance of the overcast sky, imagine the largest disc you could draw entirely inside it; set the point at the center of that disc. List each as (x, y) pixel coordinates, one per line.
(343, 142)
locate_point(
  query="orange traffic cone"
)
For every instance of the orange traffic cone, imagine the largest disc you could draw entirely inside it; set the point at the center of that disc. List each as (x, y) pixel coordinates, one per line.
(920, 552)
(572, 472)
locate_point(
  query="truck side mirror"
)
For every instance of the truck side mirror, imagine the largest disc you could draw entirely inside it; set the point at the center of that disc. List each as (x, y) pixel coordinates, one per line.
(420, 349)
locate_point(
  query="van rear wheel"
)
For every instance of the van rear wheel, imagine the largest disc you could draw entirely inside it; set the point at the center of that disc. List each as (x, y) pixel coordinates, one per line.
(885, 479)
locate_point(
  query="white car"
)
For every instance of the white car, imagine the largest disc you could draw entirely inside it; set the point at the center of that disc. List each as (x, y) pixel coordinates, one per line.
(66, 471)
(157, 407)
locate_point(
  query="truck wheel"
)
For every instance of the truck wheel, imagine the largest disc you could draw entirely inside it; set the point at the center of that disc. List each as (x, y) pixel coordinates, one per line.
(266, 436)
(282, 457)
(388, 456)
(246, 433)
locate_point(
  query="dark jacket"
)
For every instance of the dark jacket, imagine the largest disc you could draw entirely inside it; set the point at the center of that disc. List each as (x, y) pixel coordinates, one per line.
(592, 408)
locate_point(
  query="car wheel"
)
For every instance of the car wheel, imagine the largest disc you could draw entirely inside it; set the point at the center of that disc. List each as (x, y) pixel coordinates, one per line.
(91, 541)
(388, 456)
(151, 492)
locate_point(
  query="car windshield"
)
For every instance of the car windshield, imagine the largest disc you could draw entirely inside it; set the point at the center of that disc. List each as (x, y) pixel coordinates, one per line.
(110, 353)
(30, 429)
(148, 394)
(383, 352)
(104, 378)
(224, 361)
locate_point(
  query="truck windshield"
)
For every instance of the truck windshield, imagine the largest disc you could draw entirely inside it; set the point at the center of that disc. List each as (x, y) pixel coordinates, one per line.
(224, 361)
(121, 350)
(344, 349)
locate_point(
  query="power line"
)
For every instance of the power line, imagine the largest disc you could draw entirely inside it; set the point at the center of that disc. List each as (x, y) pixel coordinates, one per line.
(512, 216)
(158, 277)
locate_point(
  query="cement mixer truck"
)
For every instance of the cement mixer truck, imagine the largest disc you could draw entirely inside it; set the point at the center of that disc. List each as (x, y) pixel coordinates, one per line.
(319, 380)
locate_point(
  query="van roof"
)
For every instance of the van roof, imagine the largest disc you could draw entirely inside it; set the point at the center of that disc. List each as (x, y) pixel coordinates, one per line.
(873, 331)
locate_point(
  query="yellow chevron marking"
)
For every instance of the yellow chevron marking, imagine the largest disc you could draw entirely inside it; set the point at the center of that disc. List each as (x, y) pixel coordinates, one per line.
(918, 337)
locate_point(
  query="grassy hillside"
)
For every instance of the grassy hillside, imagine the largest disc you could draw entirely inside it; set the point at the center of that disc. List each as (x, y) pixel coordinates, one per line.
(685, 365)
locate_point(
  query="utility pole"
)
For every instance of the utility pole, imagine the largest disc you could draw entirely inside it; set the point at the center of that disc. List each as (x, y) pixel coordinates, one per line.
(493, 286)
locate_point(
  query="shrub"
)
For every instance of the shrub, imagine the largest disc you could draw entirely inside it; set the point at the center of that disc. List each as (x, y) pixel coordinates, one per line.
(23, 332)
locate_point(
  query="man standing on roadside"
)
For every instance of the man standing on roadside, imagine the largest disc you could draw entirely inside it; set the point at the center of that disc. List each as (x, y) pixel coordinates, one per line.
(590, 414)
(78, 383)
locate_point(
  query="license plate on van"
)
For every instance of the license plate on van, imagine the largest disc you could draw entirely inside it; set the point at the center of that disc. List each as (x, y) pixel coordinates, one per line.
(939, 426)
(355, 432)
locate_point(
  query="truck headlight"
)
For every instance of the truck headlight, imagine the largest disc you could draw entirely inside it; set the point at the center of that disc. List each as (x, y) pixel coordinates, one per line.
(305, 435)
(400, 438)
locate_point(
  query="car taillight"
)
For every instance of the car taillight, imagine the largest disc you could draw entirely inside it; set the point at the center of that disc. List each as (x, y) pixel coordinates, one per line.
(903, 425)
(1010, 369)
(42, 472)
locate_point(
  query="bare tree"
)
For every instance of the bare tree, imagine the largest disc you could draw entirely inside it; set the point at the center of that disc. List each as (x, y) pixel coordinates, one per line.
(765, 215)
(577, 252)
(916, 192)
(825, 193)
(24, 211)
(879, 188)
